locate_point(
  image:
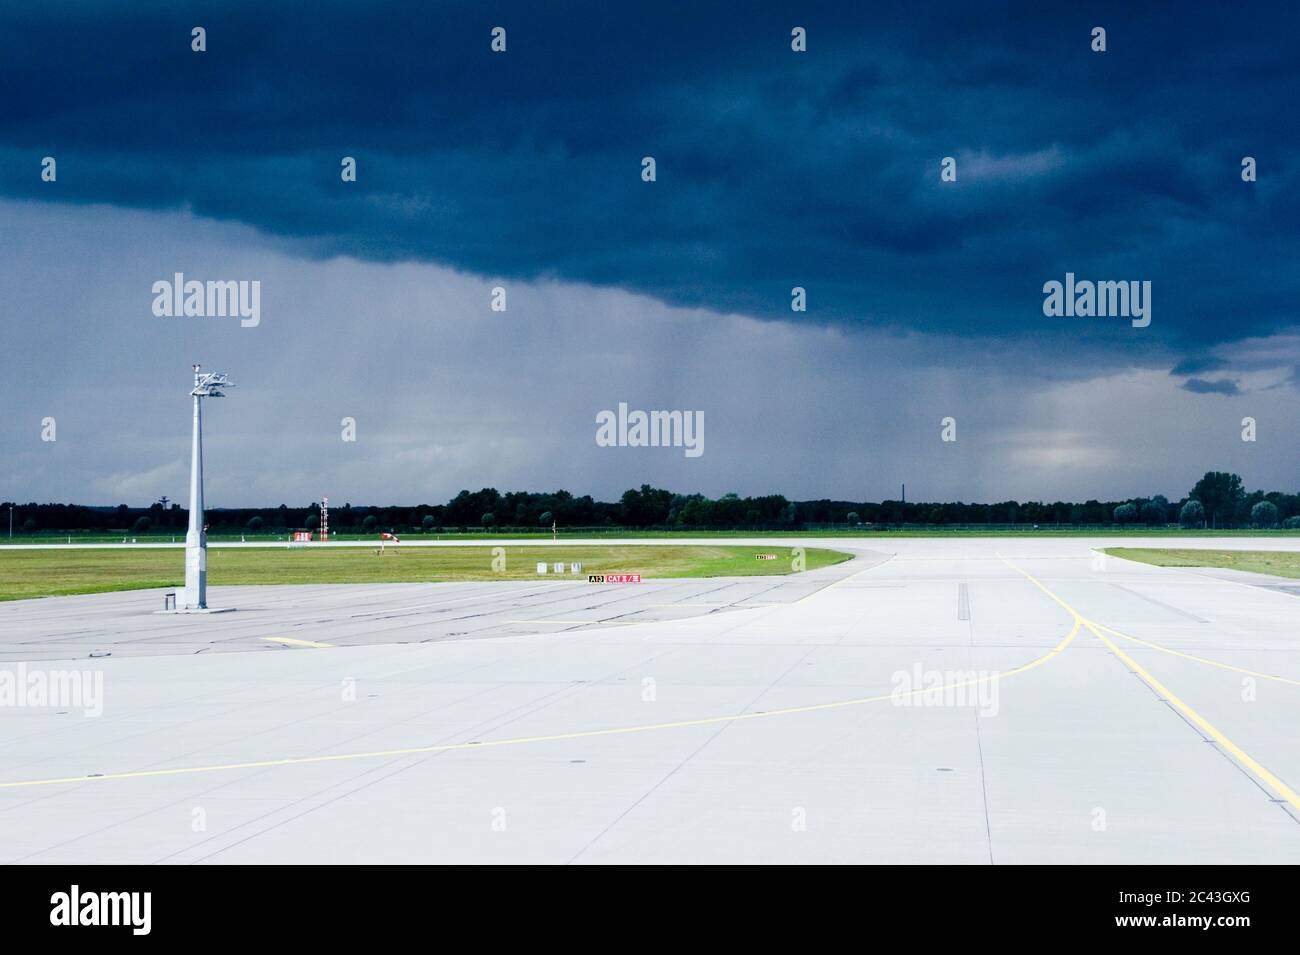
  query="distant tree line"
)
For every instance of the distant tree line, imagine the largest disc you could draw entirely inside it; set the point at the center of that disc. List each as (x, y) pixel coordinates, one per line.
(1218, 501)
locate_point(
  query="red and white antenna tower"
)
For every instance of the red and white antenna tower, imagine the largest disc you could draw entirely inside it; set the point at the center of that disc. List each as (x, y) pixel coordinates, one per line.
(324, 518)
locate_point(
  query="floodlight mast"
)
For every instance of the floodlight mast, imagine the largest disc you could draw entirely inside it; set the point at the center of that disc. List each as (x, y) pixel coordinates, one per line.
(195, 595)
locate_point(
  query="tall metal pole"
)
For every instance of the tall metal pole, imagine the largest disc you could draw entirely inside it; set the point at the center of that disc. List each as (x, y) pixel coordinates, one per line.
(196, 541)
(195, 594)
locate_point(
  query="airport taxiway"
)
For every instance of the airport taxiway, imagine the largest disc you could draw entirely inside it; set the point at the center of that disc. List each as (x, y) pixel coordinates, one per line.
(1126, 713)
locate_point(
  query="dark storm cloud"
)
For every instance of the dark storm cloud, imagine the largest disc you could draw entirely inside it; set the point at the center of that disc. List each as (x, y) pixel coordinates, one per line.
(1198, 365)
(1205, 386)
(447, 394)
(775, 169)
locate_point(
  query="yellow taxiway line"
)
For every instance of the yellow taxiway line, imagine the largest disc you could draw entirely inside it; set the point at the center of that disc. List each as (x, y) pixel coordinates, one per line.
(1195, 659)
(581, 623)
(555, 737)
(1285, 792)
(1273, 783)
(299, 643)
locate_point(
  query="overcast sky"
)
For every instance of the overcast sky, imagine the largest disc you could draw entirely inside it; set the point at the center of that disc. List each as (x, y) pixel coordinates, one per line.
(523, 170)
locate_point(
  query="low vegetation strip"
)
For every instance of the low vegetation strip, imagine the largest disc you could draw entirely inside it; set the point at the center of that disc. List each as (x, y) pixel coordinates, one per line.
(880, 531)
(72, 570)
(1277, 563)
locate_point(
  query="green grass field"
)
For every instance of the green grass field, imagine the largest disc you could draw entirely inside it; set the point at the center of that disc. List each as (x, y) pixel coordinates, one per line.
(596, 533)
(72, 570)
(1277, 563)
